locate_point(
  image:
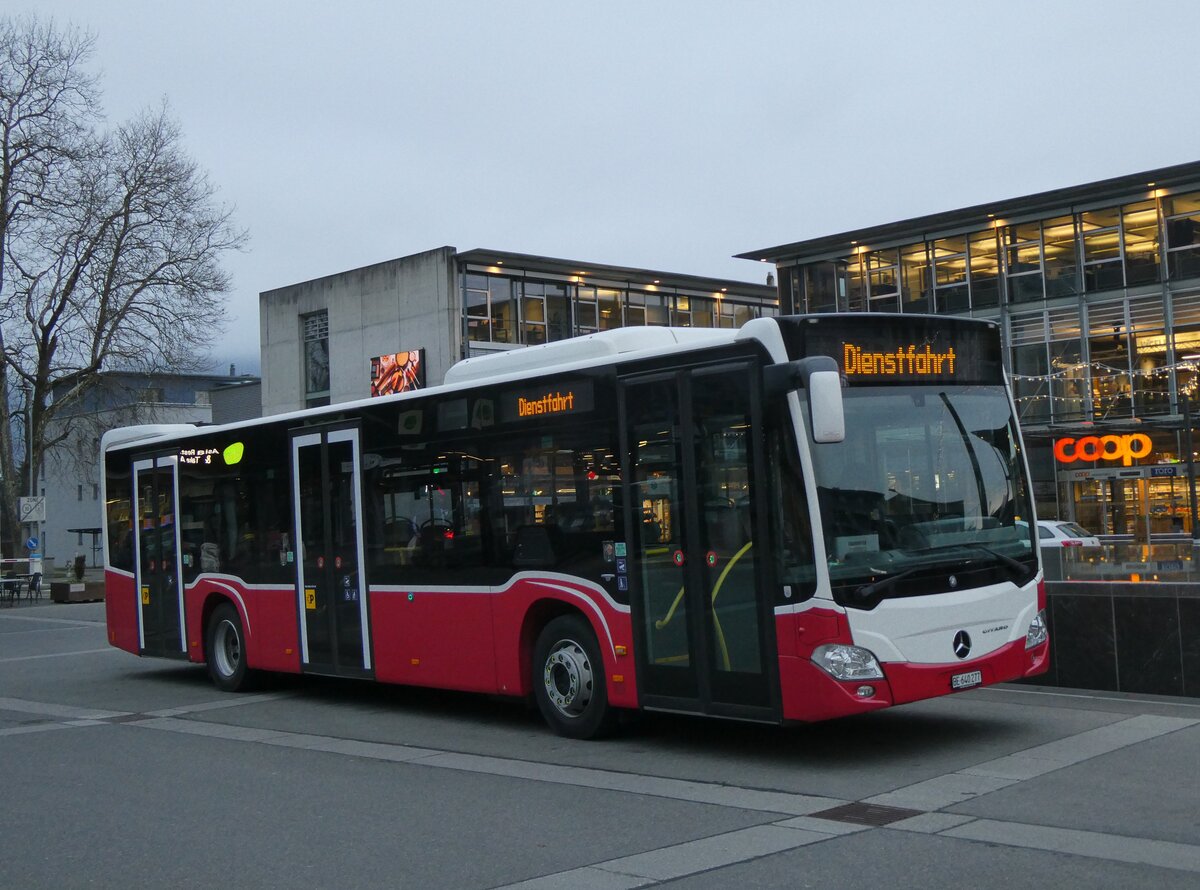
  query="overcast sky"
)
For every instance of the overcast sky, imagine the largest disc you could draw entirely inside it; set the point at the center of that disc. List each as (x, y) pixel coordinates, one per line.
(667, 135)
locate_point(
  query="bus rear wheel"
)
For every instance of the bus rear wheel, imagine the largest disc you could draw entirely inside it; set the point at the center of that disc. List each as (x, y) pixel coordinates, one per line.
(568, 680)
(225, 650)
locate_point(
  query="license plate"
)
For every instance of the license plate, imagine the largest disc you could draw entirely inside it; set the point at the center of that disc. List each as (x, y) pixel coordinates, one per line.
(966, 681)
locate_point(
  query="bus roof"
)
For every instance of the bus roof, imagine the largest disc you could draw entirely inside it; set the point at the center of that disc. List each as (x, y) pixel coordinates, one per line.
(515, 364)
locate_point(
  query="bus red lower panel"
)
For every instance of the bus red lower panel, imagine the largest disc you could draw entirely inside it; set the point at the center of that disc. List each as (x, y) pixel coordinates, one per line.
(523, 604)
(481, 641)
(268, 619)
(434, 638)
(120, 611)
(913, 682)
(810, 694)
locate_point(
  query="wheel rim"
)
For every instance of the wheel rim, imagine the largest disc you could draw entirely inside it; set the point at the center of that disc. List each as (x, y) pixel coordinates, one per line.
(568, 678)
(227, 648)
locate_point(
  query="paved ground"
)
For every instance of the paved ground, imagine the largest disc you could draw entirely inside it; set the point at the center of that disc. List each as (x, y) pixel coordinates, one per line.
(116, 770)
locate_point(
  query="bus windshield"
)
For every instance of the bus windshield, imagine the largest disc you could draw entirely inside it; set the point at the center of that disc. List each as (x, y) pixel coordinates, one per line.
(925, 493)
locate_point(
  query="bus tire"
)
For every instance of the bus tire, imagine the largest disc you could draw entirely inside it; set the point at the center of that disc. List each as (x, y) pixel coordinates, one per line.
(568, 680)
(225, 650)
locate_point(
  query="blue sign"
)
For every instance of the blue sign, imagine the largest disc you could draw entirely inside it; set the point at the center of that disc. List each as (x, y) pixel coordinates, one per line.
(31, 544)
(1163, 471)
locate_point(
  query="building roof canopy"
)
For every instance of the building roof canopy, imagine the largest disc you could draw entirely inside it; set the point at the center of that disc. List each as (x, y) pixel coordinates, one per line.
(518, 263)
(1119, 189)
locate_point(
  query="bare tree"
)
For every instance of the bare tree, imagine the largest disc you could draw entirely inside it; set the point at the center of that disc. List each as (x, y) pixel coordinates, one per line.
(110, 244)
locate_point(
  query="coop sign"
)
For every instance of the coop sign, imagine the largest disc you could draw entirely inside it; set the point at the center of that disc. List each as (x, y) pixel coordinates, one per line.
(1108, 448)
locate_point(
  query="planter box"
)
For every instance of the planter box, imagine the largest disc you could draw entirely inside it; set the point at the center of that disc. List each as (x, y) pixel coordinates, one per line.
(76, 591)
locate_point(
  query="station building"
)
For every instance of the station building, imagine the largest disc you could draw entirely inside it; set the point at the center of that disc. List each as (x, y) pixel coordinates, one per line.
(1096, 289)
(347, 336)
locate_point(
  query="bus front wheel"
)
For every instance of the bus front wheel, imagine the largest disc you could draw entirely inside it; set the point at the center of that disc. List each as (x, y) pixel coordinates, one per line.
(568, 679)
(226, 650)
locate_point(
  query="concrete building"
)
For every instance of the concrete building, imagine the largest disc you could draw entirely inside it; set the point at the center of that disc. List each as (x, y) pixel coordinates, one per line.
(1097, 291)
(319, 338)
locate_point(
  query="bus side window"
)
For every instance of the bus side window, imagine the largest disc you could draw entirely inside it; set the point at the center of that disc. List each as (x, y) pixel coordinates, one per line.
(554, 505)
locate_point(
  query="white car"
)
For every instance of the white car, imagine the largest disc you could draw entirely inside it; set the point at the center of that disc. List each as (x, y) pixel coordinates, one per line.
(1058, 533)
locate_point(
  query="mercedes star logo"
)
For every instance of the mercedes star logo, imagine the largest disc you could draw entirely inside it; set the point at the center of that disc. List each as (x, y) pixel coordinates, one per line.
(962, 644)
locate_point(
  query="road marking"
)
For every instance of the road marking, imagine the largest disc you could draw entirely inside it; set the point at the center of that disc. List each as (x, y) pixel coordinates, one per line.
(599, 780)
(633, 783)
(35, 727)
(58, 655)
(83, 621)
(943, 791)
(1130, 698)
(48, 630)
(1092, 844)
(233, 701)
(65, 712)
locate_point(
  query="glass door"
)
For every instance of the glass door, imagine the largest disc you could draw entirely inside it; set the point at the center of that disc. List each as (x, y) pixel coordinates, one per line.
(157, 567)
(698, 599)
(330, 583)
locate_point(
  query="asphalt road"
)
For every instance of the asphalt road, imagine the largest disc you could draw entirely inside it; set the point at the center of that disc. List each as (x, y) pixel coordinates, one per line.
(117, 771)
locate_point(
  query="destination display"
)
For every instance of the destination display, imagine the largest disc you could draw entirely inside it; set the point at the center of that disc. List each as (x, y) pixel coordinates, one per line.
(900, 348)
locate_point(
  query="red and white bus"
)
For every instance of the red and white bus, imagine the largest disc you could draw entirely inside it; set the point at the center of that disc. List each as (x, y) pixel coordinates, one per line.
(808, 517)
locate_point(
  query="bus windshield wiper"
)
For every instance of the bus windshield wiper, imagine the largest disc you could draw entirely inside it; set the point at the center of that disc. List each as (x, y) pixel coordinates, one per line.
(1018, 568)
(875, 591)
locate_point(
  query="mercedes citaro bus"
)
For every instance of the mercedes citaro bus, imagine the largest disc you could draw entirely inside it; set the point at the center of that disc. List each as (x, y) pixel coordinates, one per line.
(808, 517)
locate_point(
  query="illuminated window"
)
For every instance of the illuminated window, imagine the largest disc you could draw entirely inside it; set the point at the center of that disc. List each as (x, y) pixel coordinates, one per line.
(985, 269)
(1060, 257)
(1182, 214)
(950, 273)
(1101, 249)
(475, 303)
(883, 280)
(585, 310)
(1023, 262)
(1139, 226)
(609, 302)
(915, 285)
(1108, 349)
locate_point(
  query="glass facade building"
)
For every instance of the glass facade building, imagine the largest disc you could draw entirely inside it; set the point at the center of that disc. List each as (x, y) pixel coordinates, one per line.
(513, 300)
(1097, 292)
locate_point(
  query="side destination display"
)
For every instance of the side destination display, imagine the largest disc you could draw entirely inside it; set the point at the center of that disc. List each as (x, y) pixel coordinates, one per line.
(551, 400)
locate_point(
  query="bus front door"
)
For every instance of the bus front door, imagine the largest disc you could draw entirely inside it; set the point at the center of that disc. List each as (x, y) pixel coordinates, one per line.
(330, 583)
(705, 629)
(157, 568)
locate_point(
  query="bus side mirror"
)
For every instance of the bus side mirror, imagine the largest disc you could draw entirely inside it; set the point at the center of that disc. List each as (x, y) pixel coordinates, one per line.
(818, 375)
(825, 406)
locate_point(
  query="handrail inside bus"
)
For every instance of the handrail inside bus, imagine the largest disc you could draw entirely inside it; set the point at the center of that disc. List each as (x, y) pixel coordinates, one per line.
(666, 619)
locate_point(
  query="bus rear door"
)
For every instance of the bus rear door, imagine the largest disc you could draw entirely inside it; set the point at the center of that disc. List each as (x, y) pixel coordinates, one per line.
(330, 583)
(157, 568)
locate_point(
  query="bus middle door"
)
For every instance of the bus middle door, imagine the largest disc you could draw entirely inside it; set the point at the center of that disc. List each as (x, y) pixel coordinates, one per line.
(704, 629)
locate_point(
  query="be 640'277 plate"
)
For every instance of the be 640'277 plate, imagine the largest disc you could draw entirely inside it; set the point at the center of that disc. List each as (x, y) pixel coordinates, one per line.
(966, 681)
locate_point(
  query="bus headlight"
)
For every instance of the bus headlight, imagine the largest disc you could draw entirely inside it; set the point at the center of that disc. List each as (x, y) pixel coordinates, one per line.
(1038, 633)
(847, 662)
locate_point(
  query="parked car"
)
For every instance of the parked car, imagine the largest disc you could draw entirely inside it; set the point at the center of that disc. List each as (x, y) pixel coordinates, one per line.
(1058, 533)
